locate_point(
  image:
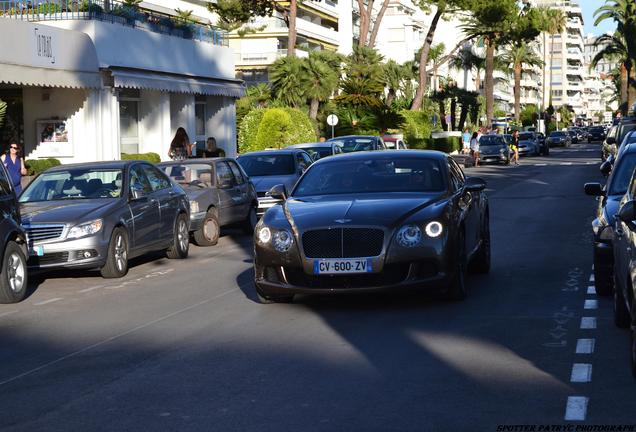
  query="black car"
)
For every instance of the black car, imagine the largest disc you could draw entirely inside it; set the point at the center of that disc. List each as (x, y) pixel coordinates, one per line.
(574, 135)
(271, 167)
(602, 226)
(319, 150)
(559, 138)
(596, 133)
(624, 267)
(356, 143)
(373, 221)
(13, 273)
(99, 215)
(493, 148)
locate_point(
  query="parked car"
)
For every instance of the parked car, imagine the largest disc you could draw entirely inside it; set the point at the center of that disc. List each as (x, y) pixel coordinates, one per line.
(100, 215)
(13, 250)
(559, 138)
(609, 144)
(624, 267)
(355, 143)
(574, 136)
(272, 167)
(374, 221)
(602, 226)
(596, 133)
(625, 127)
(529, 144)
(220, 194)
(319, 150)
(394, 142)
(493, 148)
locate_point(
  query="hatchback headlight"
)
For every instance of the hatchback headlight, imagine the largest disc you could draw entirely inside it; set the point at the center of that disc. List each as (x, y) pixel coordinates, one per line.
(85, 229)
(409, 236)
(194, 207)
(282, 240)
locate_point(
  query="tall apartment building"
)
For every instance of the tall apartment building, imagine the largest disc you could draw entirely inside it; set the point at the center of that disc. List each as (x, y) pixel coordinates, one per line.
(600, 77)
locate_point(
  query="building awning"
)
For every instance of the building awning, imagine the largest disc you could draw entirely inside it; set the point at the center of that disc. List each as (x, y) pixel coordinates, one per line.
(177, 83)
(40, 55)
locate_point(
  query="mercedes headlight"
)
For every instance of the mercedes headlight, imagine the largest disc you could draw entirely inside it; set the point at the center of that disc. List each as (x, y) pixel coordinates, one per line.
(434, 229)
(85, 229)
(282, 240)
(409, 236)
(264, 235)
(194, 207)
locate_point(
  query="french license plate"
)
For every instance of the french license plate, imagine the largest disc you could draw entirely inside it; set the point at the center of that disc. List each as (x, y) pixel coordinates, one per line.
(343, 266)
(37, 251)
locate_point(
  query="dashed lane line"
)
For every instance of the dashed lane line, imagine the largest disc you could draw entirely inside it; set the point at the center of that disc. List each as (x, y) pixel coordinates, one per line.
(591, 289)
(585, 346)
(576, 409)
(581, 373)
(45, 302)
(588, 323)
(85, 290)
(590, 304)
(4, 314)
(592, 277)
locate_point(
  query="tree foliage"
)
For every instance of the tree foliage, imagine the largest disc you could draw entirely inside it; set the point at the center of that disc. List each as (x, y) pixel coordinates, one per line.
(265, 128)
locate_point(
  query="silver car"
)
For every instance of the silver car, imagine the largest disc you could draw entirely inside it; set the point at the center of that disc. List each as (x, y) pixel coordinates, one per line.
(99, 215)
(220, 194)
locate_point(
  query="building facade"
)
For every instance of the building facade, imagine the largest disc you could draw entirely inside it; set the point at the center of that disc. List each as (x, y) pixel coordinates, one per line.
(93, 84)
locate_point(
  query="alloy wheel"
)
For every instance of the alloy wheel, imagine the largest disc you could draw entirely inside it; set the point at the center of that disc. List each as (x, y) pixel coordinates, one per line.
(121, 255)
(16, 272)
(182, 235)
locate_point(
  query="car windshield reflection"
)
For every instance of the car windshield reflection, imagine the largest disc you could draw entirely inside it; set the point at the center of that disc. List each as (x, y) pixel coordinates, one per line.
(190, 174)
(267, 165)
(372, 176)
(74, 184)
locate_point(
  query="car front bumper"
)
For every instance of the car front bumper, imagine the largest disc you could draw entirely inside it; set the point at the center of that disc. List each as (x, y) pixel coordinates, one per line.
(497, 158)
(196, 220)
(69, 254)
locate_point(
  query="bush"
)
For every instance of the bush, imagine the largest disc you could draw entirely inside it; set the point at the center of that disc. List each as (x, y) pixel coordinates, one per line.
(274, 128)
(416, 128)
(447, 144)
(36, 166)
(150, 157)
(89, 6)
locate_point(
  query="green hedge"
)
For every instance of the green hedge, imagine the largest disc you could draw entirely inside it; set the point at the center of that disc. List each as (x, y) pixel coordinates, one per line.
(446, 145)
(36, 166)
(416, 127)
(150, 157)
(265, 128)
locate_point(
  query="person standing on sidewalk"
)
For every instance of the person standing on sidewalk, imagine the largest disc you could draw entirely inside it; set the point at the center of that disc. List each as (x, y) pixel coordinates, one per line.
(474, 148)
(14, 163)
(466, 141)
(514, 147)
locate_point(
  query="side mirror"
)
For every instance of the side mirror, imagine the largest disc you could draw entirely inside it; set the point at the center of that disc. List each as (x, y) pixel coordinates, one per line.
(475, 184)
(594, 189)
(278, 192)
(606, 168)
(610, 140)
(626, 212)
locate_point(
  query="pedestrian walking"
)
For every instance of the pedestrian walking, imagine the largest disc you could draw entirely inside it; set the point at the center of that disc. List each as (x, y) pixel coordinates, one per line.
(180, 147)
(514, 147)
(474, 148)
(14, 163)
(466, 141)
(211, 150)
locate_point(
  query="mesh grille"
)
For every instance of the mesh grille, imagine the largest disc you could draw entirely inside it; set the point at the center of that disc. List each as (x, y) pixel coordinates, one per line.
(45, 232)
(52, 258)
(343, 243)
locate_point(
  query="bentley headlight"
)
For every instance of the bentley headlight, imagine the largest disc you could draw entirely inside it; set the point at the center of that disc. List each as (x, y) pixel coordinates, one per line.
(85, 229)
(409, 236)
(194, 207)
(264, 235)
(434, 229)
(282, 240)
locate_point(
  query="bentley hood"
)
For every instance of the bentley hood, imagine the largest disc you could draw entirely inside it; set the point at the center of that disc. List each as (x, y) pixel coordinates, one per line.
(371, 209)
(265, 183)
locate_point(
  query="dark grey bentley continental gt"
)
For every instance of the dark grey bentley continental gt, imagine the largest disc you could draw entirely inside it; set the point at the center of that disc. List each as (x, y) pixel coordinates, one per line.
(372, 221)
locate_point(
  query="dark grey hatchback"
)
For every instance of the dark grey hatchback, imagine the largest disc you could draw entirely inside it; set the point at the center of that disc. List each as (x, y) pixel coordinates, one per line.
(99, 215)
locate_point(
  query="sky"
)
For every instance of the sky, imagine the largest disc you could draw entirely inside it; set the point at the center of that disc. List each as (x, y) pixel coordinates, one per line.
(589, 7)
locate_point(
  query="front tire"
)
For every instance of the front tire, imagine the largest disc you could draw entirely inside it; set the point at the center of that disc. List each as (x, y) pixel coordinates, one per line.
(481, 262)
(117, 259)
(13, 280)
(208, 234)
(181, 239)
(621, 313)
(603, 283)
(457, 289)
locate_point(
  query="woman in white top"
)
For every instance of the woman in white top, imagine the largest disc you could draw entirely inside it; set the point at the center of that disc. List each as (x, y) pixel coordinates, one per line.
(474, 148)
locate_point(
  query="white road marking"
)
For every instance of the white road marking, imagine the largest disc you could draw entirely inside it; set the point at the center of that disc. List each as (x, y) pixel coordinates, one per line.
(8, 313)
(591, 289)
(576, 408)
(592, 277)
(120, 335)
(85, 290)
(588, 323)
(542, 164)
(48, 301)
(585, 346)
(590, 304)
(565, 163)
(591, 163)
(581, 372)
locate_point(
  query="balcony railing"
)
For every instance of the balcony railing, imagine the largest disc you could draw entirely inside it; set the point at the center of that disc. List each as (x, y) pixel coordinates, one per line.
(114, 11)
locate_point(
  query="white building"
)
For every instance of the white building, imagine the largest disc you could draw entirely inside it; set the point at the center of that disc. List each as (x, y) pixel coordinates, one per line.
(91, 85)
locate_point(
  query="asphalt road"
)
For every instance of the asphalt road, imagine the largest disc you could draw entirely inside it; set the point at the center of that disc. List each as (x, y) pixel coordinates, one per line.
(184, 345)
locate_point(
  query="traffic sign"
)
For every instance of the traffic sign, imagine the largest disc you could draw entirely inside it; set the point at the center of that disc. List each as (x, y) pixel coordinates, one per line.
(332, 119)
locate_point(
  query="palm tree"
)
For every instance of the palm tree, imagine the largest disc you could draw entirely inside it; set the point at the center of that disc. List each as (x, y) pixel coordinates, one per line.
(363, 83)
(554, 24)
(435, 56)
(613, 47)
(623, 13)
(516, 57)
(397, 78)
(321, 81)
(260, 93)
(467, 60)
(288, 81)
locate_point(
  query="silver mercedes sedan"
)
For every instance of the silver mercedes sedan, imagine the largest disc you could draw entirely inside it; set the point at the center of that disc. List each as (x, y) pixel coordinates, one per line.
(99, 215)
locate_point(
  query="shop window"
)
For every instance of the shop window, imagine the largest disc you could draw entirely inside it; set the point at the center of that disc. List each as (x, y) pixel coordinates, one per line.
(199, 115)
(129, 126)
